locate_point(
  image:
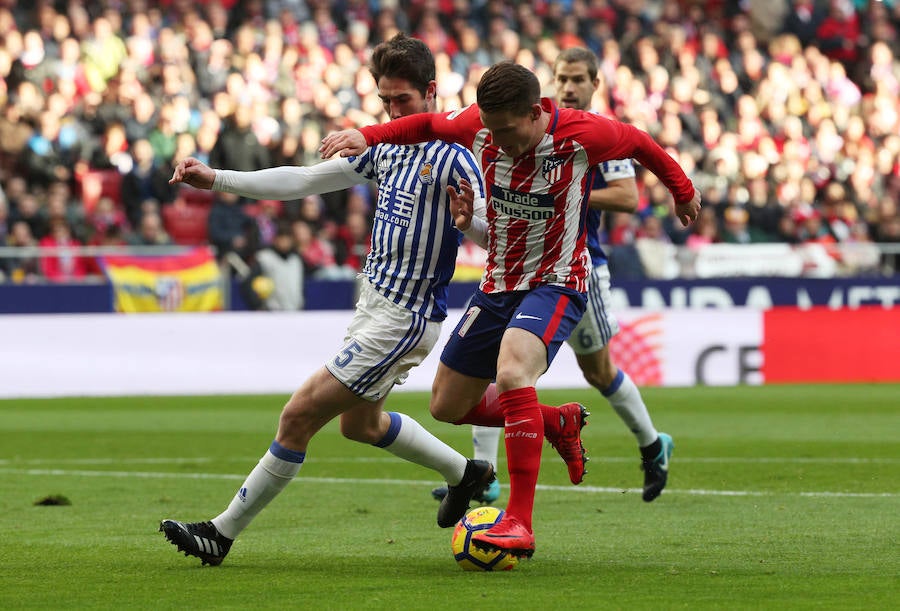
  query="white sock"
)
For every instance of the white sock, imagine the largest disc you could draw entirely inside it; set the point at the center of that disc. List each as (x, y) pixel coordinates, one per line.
(486, 440)
(275, 470)
(626, 399)
(407, 439)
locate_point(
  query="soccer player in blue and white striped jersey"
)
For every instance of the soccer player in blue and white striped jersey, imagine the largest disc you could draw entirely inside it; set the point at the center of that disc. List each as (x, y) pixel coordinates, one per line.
(399, 312)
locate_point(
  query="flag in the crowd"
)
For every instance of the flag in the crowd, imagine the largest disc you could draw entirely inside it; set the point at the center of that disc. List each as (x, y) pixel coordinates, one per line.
(186, 282)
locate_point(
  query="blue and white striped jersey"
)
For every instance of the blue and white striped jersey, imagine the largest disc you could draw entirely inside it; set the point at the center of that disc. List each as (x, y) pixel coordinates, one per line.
(414, 240)
(602, 175)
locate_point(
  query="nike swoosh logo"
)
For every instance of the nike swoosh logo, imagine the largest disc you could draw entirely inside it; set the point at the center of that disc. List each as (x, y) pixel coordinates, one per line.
(517, 422)
(521, 316)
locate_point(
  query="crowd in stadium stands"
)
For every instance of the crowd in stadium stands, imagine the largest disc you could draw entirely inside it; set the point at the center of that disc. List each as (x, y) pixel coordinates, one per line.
(785, 113)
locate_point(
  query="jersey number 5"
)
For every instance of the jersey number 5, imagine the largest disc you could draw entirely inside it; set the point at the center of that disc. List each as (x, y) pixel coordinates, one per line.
(346, 355)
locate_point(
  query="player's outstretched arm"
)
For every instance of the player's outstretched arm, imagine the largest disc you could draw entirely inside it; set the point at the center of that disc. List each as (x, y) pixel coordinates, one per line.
(348, 142)
(193, 172)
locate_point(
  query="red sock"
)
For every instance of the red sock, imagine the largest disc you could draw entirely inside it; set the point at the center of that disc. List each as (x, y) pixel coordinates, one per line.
(524, 441)
(488, 411)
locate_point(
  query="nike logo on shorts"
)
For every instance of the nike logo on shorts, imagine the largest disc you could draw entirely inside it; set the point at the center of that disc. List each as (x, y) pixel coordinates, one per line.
(521, 316)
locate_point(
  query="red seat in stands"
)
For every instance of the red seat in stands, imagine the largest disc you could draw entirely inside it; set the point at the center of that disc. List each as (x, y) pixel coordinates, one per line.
(186, 224)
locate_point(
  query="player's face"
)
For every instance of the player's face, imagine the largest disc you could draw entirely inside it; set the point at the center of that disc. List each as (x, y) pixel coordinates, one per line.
(515, 134)
(574, 87)
(400, 98)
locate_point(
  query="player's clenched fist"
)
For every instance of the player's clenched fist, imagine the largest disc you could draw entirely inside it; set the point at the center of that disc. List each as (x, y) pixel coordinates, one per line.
(688, 212)
(193, 172)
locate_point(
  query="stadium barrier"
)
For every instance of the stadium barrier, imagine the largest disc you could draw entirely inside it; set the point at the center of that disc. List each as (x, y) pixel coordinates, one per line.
(250, 352)
(719, 275)
(759, 293)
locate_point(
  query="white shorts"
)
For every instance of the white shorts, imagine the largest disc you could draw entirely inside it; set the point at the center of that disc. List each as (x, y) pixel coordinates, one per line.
(599, 324)
(384, 341)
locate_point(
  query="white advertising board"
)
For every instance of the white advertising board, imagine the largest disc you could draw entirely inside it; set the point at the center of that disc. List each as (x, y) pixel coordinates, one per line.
(253, 352)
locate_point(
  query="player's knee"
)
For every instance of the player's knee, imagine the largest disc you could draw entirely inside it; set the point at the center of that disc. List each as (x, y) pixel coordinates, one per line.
(600, 377)
(440, 411)
(512, 378)
(297, 422)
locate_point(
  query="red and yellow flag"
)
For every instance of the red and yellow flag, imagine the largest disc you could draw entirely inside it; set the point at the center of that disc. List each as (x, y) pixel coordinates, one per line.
(187, 282)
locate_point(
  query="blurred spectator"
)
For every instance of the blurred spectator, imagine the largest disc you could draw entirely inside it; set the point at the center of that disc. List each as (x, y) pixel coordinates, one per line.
(53, 150)
(765, 104)
(280, 264)
(238, 147)
(146, 182)
(704, 231)
(150, 231)
(28, 209)
(142, 120)
(163, 135)
(15, 134)
(838, 33)
(267, 221)
(106, 219)
(317, 255)
(63, 265)
(737, 229)
(113, 151)
(25, 268)
(354, 240)
(60, 205)
(228, 225)
(103, 52)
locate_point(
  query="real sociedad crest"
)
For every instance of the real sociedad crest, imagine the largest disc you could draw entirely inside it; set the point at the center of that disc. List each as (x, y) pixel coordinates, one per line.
(425, 173)
(552, 169)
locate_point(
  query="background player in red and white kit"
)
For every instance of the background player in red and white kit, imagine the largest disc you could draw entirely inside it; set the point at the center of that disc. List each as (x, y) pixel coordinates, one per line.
(536, 159)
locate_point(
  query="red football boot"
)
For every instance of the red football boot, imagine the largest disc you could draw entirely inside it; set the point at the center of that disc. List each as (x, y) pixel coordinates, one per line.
(568, 441)
(508, 535)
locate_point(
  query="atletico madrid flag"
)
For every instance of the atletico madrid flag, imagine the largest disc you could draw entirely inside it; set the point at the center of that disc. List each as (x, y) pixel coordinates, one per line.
(187, 282)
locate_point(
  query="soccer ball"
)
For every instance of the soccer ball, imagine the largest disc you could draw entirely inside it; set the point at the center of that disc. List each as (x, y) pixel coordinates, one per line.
(469, 557)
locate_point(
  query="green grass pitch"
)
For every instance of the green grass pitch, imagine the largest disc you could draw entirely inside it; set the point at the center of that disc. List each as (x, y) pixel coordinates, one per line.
(780, 497)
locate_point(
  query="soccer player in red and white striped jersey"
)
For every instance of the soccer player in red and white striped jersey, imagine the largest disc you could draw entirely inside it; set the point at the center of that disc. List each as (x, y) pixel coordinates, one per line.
(536, 159)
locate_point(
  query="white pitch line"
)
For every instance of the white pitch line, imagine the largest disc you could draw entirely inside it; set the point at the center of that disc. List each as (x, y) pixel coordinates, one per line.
(848, 460)
(421, 483)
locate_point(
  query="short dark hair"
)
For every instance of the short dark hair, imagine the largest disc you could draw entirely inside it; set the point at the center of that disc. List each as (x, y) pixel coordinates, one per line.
(578, 54)
(404, 57)
(507, 86)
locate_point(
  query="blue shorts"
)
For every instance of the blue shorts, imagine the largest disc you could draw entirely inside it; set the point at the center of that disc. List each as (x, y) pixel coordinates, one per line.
(549, 312)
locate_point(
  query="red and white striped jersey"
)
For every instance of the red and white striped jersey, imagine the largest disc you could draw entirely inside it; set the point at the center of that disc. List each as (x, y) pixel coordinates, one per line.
(536, 201)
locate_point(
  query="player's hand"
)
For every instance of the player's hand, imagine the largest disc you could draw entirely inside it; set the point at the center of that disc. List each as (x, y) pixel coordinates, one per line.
(348, 143)
(688, 212)
(462, 204)
(193, 172)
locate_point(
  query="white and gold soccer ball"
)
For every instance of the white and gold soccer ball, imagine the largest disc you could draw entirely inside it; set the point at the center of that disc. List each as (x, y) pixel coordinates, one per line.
(469, 557)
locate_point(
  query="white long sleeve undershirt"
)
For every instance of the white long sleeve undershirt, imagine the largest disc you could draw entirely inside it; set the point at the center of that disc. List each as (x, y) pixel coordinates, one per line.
(478, 231)
(286, 182)
(295, 182)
